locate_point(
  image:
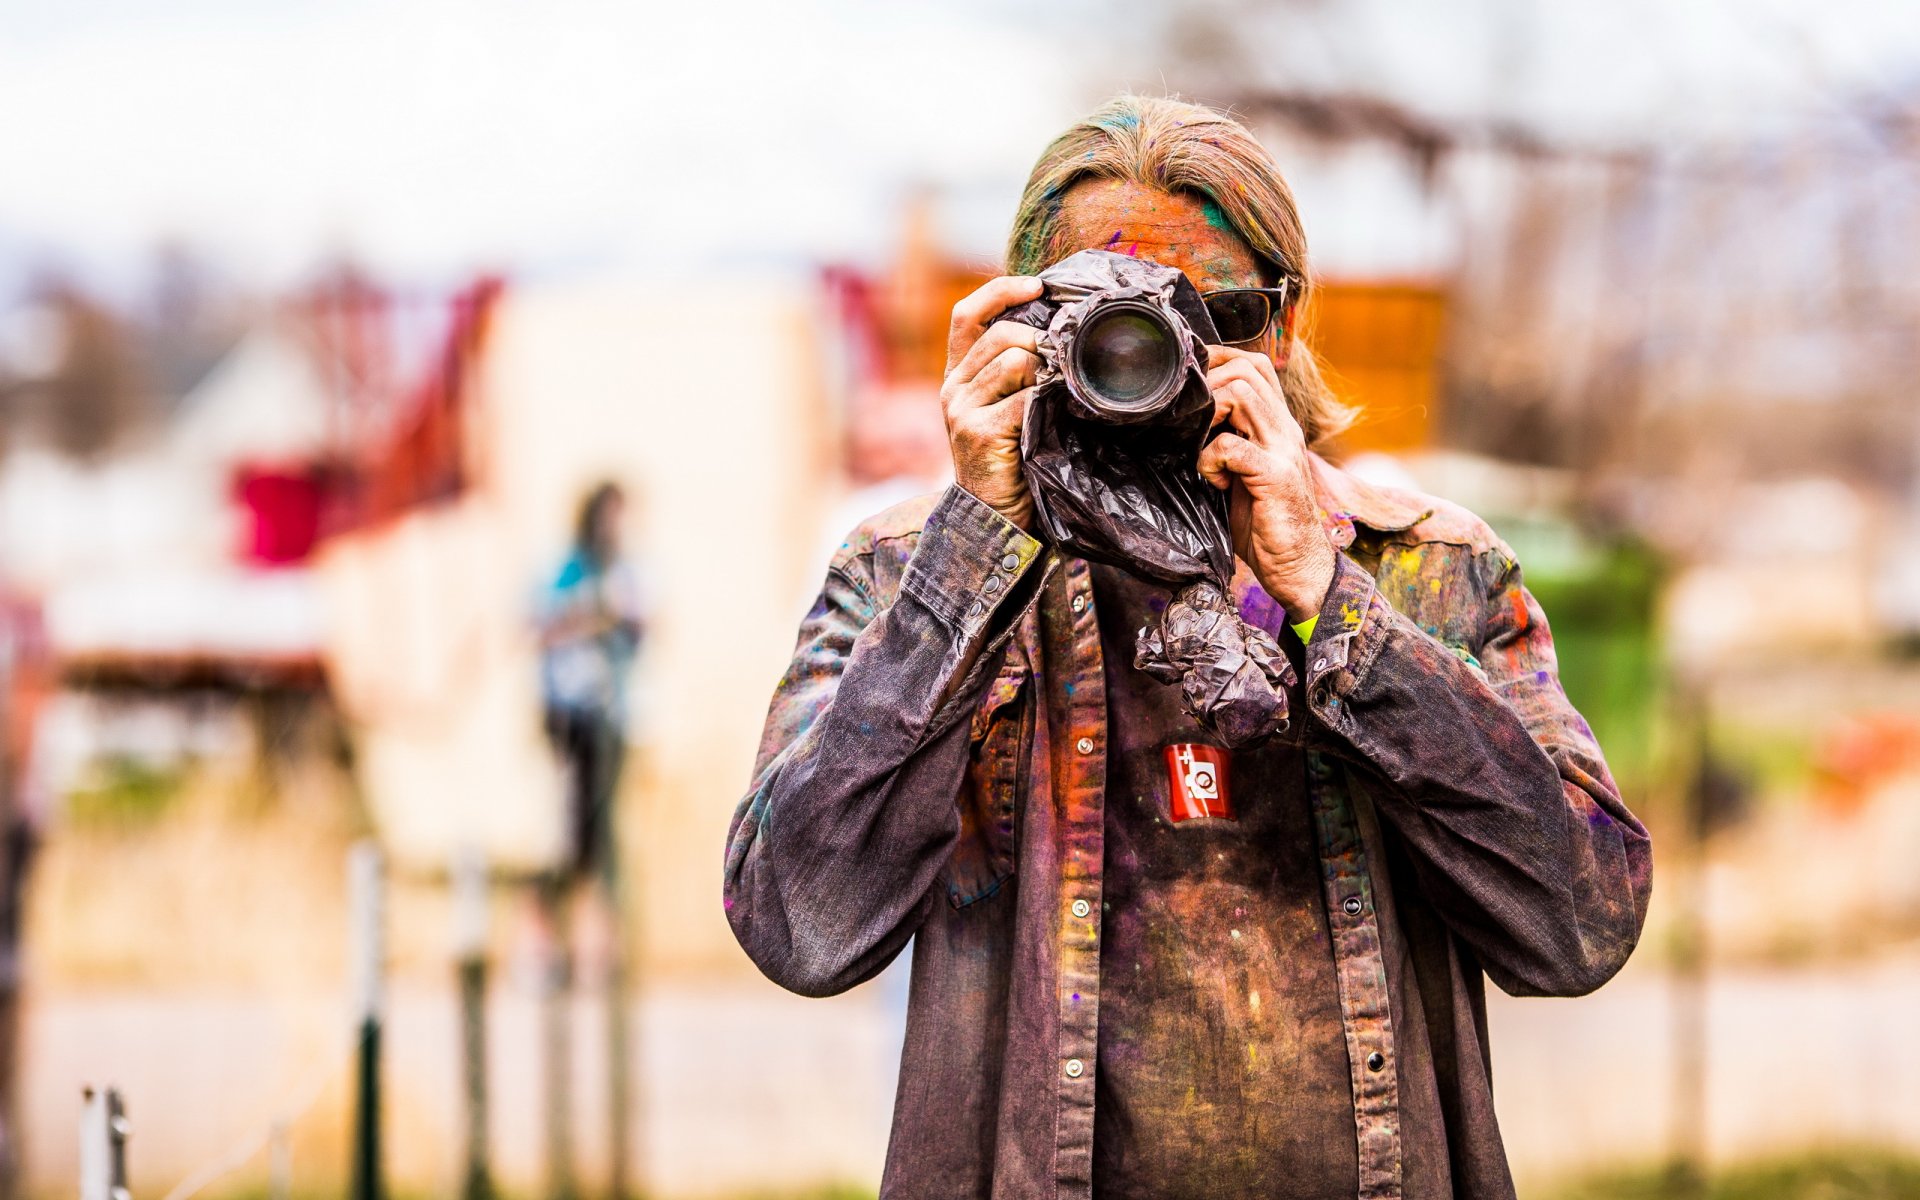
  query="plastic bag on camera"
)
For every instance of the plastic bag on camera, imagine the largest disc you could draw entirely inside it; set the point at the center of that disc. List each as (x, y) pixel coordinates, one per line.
(1130, 495)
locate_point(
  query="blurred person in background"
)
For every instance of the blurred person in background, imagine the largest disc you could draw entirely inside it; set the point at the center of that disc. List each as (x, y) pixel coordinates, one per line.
(1109, 999)
(592, 619)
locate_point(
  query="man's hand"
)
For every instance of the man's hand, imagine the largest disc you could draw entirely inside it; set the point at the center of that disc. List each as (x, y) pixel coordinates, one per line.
(990, 370)
(1275, 517)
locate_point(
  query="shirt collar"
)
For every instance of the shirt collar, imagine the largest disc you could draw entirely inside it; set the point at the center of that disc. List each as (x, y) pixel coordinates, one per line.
(1347, 500)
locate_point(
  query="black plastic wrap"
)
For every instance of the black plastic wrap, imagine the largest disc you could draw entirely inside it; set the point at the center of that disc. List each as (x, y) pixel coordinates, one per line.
(1127, 493)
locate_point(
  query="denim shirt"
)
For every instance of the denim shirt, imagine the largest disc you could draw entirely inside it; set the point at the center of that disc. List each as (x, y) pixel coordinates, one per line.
(933, 767)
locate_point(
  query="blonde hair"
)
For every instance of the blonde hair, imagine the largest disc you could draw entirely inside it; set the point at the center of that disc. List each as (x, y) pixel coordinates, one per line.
(1180, 147)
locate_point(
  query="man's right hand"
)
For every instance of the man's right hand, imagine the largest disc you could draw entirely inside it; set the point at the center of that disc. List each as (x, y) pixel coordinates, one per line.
(990, 371)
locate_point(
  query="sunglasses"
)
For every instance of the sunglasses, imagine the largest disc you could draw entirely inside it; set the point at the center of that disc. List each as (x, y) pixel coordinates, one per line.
(1245, 314)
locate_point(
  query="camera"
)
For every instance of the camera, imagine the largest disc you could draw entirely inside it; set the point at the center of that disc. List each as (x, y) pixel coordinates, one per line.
(1122, 335)
(1111, 442)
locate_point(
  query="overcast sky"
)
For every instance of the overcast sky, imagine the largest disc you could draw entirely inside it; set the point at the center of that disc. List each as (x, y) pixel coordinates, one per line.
(429, 137)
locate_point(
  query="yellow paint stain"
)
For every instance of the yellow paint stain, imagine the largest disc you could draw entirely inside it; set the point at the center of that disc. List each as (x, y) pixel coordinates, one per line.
(1349, 614)
(1434, 585)
(1409, 560)
(1253, 1055)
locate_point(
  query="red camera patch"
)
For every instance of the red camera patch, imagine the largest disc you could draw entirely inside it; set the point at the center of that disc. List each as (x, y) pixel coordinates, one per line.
(1197, 782)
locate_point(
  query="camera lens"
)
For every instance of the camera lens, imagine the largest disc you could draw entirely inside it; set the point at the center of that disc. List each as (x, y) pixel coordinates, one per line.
(1127, 357)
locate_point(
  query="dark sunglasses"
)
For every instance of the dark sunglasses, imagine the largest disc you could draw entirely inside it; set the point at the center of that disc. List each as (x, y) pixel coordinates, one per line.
(1245, 314)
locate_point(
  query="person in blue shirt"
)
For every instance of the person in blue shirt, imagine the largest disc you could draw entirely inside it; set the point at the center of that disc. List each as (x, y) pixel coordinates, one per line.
(591, 623)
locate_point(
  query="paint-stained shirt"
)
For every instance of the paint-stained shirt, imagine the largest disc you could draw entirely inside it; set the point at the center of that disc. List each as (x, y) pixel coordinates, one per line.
(938, 764)
(1222, 1070)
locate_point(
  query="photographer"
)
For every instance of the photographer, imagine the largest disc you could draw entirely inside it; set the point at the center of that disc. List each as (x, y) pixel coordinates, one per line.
(1136, 973)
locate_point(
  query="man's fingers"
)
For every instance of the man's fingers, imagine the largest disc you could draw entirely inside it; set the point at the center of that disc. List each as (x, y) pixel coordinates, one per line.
(999, 336)
(1006, 373)
(1221, 355)
(995, 428)
(979, 310)
(1229, 457)
(1246, 401)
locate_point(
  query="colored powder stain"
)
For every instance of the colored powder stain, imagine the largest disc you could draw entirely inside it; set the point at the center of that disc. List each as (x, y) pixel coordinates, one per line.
(1519, 609)
(1409, 560)
(1434, 584)
(1215, 217)
(1076, 997)
(727, 904)
(1133, 250)
(1114, 240)
(866, 729)
(1349, 614)
(1253, 1055)
(1541, 677)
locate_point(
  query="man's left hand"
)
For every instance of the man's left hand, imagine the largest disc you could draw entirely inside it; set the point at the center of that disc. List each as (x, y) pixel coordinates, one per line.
(1275, 517)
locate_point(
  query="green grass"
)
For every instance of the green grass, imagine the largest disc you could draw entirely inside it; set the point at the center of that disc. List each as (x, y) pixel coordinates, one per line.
(1865, 1174)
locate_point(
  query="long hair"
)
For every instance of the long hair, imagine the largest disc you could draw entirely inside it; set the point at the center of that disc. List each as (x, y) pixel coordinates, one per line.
(586, 525)
(1180, 147)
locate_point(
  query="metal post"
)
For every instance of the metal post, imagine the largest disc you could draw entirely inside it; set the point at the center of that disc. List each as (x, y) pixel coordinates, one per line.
(103, 1145)
(364, 887)
(557, 1014)
(619, 1054)
(1687, 1172)
(470, 950)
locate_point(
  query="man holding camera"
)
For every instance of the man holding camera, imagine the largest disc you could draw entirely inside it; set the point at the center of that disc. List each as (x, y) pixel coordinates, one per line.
(1147, 965)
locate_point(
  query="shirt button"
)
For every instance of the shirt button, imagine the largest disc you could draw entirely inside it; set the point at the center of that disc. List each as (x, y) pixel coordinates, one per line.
(1084, 745)
(1081, 908)
(992, 585)
(1009, 562)
(1319, 664)
(1352, 905)
(1079, 604)
(1075, 1068)
(1376, 1061)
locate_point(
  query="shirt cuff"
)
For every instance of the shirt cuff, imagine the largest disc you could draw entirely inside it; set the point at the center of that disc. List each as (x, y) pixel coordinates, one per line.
(1339, 648)
(967, 562)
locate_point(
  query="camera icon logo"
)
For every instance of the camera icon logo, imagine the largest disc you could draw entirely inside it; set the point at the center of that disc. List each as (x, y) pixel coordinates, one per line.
(1197, 782)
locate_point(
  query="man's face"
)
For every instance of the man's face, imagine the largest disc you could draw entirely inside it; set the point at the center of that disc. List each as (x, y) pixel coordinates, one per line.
(1174, 230)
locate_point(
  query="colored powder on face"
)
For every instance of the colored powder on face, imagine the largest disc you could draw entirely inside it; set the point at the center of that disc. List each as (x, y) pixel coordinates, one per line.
(1114, 240)
(1216, 218)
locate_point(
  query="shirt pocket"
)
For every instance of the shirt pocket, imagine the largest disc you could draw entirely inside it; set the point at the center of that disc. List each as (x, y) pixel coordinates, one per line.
(998, 740)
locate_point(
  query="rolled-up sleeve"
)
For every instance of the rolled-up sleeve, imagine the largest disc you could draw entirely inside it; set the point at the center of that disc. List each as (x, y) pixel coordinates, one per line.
(853, 809)
(1497, 786)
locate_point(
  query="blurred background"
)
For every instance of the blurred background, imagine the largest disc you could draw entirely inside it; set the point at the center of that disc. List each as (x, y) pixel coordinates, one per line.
(318, 321)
